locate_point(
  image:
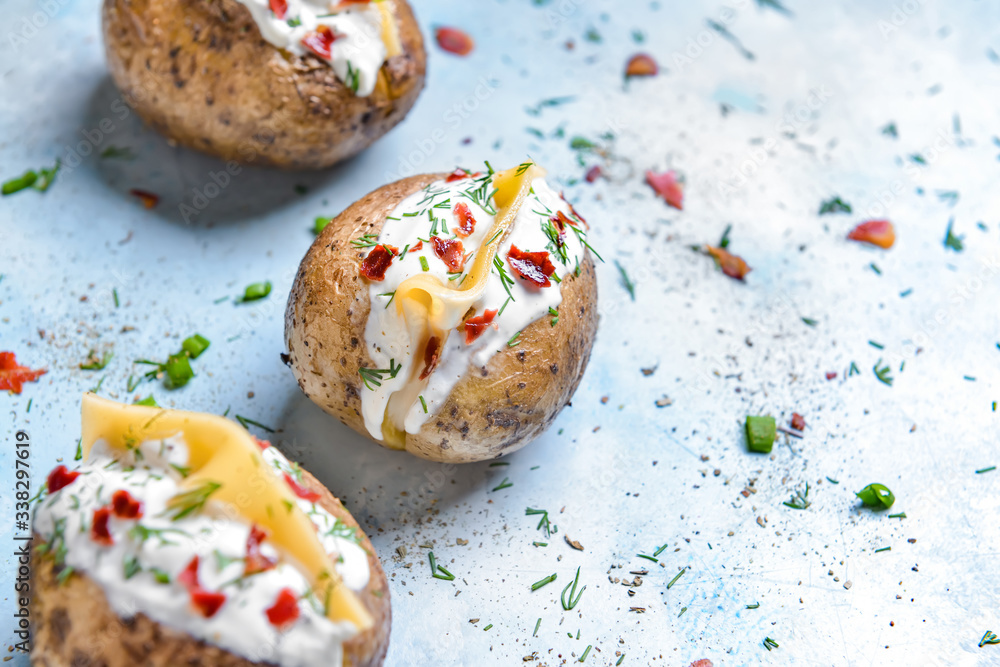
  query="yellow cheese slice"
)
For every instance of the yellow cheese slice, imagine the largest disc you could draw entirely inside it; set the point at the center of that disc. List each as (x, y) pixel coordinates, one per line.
(432, 308)
(222, 452)
(390, 29)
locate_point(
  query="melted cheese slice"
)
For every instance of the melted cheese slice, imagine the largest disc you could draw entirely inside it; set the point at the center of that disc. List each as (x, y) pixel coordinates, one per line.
(433, 309)
(221, 451)
(390, 29)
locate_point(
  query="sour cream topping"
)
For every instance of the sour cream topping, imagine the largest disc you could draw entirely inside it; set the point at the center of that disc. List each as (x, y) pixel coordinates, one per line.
(140, 570)
(346, 36)
(410, 228)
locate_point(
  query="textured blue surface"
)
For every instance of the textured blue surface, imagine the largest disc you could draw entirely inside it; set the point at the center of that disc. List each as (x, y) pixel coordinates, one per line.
(622, 476)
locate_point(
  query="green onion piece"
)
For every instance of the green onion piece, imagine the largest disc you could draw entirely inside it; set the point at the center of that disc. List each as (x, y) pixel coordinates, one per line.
(149, 400)
(877, 496)
(195, 345)
(160, 576)
(585, 653)
(24, 181)
(761, 432)
(543, 582)
(178, 370)
(424, 266)
(674, 580)
(538, 624)
(320, 224)
(255, 291)
(46, 176)
(423, 403)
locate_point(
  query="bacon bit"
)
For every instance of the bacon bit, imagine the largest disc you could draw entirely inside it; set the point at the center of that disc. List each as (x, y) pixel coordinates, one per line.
(99, 527)
(206, 602)
(13, 376)
(321, 41)
(876, 232)
(641, 64)
(451, 252)
(432, 354)
(347, 3)
(60, 477)
(419, 246)
(255, 560)
(301, 491)
(704, 662)
(534, 267)
(466, 221)
(263, 444)
(125, 506)
(280, 8)
(731, 265)
(454, 41)
(459, 174)
(148, 199)
(285, 609)
(798, 422)
(669, 186)
(831, 375)
(374, 266)
(476, 326)
(593, 174)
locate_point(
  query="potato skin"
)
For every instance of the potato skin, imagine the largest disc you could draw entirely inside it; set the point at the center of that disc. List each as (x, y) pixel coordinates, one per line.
(200, 72)
(73, 624)
(489, 413)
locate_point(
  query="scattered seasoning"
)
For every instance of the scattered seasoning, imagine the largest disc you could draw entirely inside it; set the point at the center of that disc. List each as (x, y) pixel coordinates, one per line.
(982, 470)
(952, 241)
(454, 41)
(569, 597)
(641, 64)
(761, 432)
(890, 131)
(543, 582)
(835, 205)
(254, 292)
(877, 496)
(678, 576)
(669, 185)
(626, 281)
(874, 232)
(506, 483)
(770, 643)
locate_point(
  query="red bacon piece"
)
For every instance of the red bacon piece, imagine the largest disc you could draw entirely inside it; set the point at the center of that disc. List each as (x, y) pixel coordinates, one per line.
(731, 265)
(99, 527)
(454, 41)
(321, 41)
(876, 232)
(263, 444)
(280, 8)
(285, 609)
(459, 174)
(300, 491)
(60, 477)
(449, 251)
(374, 266)
(476, 326)
(466, 221)
(669, 186)
(255, 560)
(206, 602)
(593, 173)
(13, 376)
(148, 199)
(125, 506)
(534, 267)
(432, 354)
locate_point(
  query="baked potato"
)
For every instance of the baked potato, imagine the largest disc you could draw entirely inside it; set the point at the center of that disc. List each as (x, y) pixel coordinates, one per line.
(298, 84)
(450, 315)
(135, 565)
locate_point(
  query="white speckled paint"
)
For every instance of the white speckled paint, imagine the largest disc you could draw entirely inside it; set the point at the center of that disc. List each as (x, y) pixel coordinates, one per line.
(217, 536)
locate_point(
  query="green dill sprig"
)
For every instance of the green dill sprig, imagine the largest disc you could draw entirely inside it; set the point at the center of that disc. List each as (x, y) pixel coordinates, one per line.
(505, 278)
(191, 501)
(570, 597)
(543, 523)
(883, 373)
(365, 241)
(374, 376)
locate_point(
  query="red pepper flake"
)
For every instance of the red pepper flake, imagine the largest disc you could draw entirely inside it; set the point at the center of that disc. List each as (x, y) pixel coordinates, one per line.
(374, 266)
(831, 375)
(301, 491)
(534, 267)
(876, 232)
(466, 221)
(206, 602)
(454, 41)
(641, 64)
(432, 354)
(451, 252)
(476, 326)
(263, 444)
(593, 174)
(280, 8)
(731, 265)
(125, 505)
(60, 477)
(12, 376)
(148, 199)
(255, 560)
(668, 185)
(798, 422)
(704, 662)
(285, 609)
(419, 246)
(321, 41)
(459, 174)
(99, 526)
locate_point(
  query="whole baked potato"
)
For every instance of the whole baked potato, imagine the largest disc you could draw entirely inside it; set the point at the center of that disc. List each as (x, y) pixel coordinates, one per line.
(140, 560)
(299, 84)
(448, 315)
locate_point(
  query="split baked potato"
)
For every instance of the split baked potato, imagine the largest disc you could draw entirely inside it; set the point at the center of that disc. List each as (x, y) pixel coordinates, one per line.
(202, 74)
(77, 611)
(494, 407)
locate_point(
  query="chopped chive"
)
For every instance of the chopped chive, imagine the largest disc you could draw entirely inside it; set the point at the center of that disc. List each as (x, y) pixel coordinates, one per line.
(79, 450)
(626, 281)
(755, 605)
(655, 560)
(770, 643)
(620, 660)
(854, 370)
(982, 470)
(499, 463)
(114, 293)
(423, 403)
(537, 625)
(659, 550)
(585, 653)
(487, 627)
(810, 321)
(877, 345)
(514, 342)
(539, 544)
(883, 549)
(424, 266)
(28, 409)
(255, 292)
(543, 582)
(901, 515)
(875, 268)
(832, 481)
(245, 420)
(567, 598)
(674, 580)
(988, 638)
(504, 484)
